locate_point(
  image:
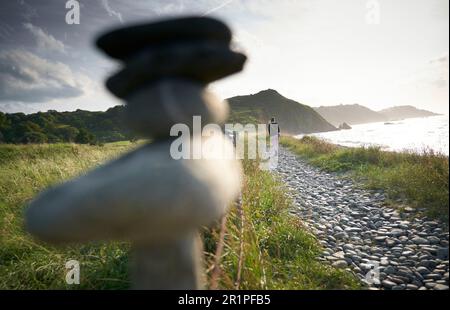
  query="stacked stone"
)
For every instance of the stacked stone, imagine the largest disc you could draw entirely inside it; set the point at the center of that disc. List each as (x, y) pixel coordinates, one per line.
(166, 66)
(147, 197)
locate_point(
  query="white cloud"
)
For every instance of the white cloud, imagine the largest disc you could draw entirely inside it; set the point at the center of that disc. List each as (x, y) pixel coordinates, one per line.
(110, 11)
(426, 87)
(440, 66)
(169, 8)
(45, 41)
(433, 74)
(28, 78)
(16, 107)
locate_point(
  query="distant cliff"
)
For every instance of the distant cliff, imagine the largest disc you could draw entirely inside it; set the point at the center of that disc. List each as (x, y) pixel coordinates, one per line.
(350, 113)
(358, 114)
(406, 111)
(292, 117)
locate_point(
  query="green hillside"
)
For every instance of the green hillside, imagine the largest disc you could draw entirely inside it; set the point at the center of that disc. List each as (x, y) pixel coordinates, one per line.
(292, 117)
(54, 127)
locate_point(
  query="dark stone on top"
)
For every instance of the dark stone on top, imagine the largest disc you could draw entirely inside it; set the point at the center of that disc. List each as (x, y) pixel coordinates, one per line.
(202, 62)
(124, 42)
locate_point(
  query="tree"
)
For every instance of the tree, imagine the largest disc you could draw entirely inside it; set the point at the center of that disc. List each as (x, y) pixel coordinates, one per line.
(67, 133)
(85, 137)
(44, 120)
(4, 125)
(3, 121)
(34, 137)
(65, 126)
(25, 132)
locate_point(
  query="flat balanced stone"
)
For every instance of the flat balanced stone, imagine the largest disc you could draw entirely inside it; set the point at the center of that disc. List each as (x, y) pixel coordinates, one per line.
(152, 111)
(124, 42)
(203, 62)
(145, 196)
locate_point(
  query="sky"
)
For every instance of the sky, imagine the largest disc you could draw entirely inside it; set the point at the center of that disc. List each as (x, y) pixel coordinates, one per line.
(377, 53)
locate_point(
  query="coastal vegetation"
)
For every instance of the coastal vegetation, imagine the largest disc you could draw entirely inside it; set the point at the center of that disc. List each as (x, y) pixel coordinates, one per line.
(420, 180)
(264, 247)
(88, 127)
(83, 127)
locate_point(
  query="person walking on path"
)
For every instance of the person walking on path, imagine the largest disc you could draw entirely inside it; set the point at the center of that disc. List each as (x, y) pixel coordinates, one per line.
(272, 124)
(274, 134)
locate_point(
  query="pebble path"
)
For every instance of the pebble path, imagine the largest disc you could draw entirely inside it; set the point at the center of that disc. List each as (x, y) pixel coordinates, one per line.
(385, 249)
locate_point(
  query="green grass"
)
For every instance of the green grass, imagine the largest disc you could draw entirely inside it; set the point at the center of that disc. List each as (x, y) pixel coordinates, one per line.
(419, 179)
(27, 264)
(278, 252)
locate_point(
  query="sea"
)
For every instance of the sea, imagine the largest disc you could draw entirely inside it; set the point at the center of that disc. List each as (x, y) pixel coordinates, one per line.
(414, 135)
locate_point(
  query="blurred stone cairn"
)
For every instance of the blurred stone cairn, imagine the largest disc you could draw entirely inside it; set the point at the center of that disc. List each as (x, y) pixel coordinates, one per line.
(148, 197)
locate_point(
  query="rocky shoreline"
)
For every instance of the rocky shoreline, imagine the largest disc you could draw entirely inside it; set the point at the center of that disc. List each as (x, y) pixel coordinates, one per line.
(384, 248)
